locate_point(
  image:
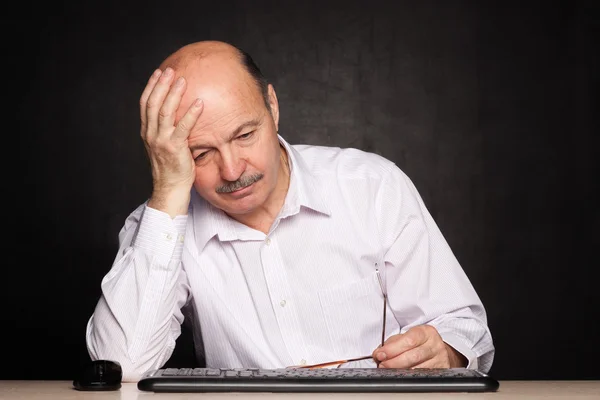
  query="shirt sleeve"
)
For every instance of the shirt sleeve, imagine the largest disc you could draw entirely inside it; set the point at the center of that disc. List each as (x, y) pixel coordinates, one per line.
(422, 268)
(138, 316)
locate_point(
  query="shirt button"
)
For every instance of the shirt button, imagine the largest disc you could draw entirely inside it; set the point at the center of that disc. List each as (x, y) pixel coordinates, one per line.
(282, 303)
(268, 241)
(169, 237)
(303, 362)
(181, 238)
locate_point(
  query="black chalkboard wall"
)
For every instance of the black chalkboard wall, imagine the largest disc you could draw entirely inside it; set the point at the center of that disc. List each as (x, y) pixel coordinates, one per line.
(487, 106)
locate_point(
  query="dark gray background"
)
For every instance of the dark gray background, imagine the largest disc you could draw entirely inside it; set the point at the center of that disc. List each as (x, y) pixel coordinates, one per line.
(488, 106)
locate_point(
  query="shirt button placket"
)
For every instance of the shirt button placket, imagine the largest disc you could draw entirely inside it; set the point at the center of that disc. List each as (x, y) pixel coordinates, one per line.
(280, 293)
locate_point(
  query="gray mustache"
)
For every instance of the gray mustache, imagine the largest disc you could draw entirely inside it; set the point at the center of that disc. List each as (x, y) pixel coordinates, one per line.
(239, 184)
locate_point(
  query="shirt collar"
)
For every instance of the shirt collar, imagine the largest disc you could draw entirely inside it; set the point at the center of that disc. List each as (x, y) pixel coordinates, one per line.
(304, 191)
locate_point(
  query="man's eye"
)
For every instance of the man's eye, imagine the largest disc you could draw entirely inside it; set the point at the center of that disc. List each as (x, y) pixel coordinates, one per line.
(201, 155)
(245, 135)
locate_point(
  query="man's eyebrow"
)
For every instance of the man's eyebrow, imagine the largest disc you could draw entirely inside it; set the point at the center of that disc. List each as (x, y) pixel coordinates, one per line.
(247, 124)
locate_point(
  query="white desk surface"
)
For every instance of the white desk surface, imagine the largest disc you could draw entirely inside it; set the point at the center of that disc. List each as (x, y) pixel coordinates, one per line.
(63, 390)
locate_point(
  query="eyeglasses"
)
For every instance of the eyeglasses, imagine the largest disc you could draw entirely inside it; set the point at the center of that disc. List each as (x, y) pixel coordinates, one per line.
(339, 363)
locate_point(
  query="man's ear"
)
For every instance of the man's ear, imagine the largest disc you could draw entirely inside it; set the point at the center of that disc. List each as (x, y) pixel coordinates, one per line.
(274, 105)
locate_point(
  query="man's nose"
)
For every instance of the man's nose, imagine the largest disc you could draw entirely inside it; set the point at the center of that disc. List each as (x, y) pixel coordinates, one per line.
(232, 166)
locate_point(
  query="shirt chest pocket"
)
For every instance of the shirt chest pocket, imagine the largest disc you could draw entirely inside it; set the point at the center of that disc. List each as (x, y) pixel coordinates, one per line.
(354, 316)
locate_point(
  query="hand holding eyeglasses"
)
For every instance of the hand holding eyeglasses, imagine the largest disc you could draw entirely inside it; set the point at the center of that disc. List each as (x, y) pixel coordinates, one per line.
(419, 347)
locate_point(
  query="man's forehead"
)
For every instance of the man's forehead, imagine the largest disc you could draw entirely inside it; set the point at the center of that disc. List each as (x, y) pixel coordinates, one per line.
(224, 118)
(221, 105)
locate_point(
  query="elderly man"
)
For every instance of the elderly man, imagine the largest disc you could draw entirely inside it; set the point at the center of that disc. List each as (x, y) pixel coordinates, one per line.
(278, 254)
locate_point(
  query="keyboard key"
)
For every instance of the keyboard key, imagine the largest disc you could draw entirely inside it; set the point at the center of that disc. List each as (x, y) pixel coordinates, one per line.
(213, 372)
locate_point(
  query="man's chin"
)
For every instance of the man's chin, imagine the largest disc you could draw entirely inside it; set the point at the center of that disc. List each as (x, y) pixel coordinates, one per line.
(242, 206)
(238, 211)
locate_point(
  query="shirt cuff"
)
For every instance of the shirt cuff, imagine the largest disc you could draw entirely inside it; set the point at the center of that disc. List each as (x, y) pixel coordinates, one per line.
(160, 235)
(459, 345)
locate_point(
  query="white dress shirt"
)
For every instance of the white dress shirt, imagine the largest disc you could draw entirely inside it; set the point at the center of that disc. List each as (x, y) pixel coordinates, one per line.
(307, 292)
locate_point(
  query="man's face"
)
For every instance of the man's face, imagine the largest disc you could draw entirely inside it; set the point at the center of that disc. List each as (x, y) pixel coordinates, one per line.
(235, 147)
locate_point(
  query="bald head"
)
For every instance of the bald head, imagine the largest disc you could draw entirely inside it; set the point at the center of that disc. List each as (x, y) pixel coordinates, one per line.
(194, 52)
(206, 62)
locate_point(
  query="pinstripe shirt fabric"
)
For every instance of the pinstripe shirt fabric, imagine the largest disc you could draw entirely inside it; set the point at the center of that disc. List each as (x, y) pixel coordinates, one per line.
(307, 292)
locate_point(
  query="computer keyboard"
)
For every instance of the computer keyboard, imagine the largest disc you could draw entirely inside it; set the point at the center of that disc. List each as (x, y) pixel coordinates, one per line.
(316, 380)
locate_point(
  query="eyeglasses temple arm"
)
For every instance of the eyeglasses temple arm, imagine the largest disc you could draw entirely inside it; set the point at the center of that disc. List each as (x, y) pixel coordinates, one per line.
(384, 292)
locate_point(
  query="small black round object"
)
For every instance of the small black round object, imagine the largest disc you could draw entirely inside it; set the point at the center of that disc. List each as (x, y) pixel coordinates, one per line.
(99, 375)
